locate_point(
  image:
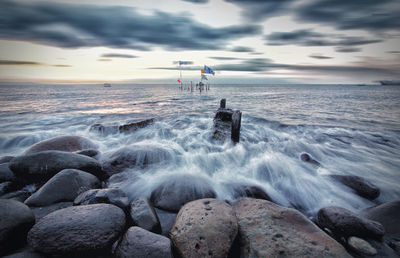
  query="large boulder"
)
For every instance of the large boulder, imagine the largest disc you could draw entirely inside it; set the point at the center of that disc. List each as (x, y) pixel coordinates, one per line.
(140, 243)
(143, 215)
(109, 195)
(66, 185)
(78, 230)
(62, 143)
(361, 186)
(204, 228)
(178, 189)
(342, 222)
(270, 230)
(42, 166)
(15, 221)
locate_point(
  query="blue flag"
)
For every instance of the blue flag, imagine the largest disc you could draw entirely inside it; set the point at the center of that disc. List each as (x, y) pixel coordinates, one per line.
(208, 70)
(185, 62)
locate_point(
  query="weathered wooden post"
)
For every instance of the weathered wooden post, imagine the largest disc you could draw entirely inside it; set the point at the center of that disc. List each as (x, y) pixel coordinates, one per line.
(236, 121)
(222, 104)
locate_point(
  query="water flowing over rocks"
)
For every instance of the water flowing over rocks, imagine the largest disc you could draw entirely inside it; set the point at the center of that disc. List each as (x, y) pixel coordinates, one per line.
(140, 243)
(78, 230)
(62, 143)
(361, 186)
(204, 228)
(108, 195)
(178, 189)
(308, 159)
(247, 190)
(15, 221)
(143, 215)
(66, 185)
(42, 166)
(269, 230)
(125, 128)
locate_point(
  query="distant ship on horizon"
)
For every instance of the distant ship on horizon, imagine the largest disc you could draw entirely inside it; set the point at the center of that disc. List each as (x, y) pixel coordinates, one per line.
(389, 82)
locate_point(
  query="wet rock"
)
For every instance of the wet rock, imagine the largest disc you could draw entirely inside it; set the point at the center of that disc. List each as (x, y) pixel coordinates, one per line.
(78, 230)
(395, 245)
(5, 187)
(15, 221)
(307, 158)
(122, 179)
(20, 195)
(140, 243)
(40, 212)
(26, 252)
(269, 230)
(343, 222)
(361, 247)
(222, 124)
(125, 128)
(66, 185)
(5, 173)
(361, 186)
(42, 166)
(143, 215)
(247, 190)
(204, 228)
(179, 189)
(6, 159)
(62, 143)
(109, 195)
(88, 152)
(167, 220)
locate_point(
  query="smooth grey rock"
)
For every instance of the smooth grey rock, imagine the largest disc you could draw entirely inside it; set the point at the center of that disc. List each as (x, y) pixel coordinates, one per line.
(40, 212)
(140, 243)
(62, 143)
(361, 186)
(5, 173)
(343, 222)
(360, 246)
(20, 195)
(167, 220)
(78, 230)
(5, 187)
(66, 185)
(270, 230)
(143, 215)
(6, 159)
(180, 189)
(246, 190)
(42, 166)
(109, 195)
(88, 152)
(26, 252)
(15, 221)
(204, 228)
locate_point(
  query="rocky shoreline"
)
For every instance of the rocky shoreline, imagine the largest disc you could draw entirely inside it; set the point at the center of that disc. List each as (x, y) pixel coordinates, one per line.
(55, 200)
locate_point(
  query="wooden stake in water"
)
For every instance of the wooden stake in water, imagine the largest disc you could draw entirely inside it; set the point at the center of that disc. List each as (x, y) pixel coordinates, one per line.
(222, 104)
(236, 121)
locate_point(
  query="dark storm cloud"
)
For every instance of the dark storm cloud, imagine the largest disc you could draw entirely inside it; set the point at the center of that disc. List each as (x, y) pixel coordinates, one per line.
(319, 56)
(15, 62)
(73, 26)
(242, 49)
(196, 1)
(348, 49)
(116, 55)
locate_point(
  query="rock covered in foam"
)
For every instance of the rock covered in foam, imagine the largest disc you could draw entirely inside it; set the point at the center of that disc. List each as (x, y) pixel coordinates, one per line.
(62, 143)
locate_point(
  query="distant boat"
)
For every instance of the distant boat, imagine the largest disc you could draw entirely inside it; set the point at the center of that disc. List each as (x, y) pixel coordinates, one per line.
(389, 82)
(107, 85)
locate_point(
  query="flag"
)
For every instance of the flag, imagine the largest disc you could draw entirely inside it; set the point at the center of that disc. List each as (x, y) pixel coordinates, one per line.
(203, 77)
(208, 70)
(179, 81)
(185, 62)
(202, 70)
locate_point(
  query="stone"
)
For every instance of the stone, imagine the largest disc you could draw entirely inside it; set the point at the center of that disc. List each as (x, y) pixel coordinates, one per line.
(308, 159)
(109, 195)
(270, 230)
(247, 190)
(167, 220)
(179, 189)
(6, 159)
(361, 247)
(20, 195)
(40, 212)
(43, 165)
(140, 243)
(361, 186)
(88, 152)
(143, 215)
(78, 231)
(62, 143)
(66, 185)
(125, 128)
(5, 187)
(204, 228)
(343, 222)
(5, 173)
(26, 252)
(15, 221)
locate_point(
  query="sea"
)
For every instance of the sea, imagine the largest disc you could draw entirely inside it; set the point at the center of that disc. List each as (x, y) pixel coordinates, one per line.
(349, 129)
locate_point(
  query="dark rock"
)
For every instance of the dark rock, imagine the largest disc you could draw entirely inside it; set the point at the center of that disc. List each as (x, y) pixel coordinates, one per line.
(143, 215)
(62, 143)
(15, 221)
(307, 158)
(140, 243)
(20, 195)
(122, 179)
(360, 185)
(88, 152)
(42, 166)
(6, 159)
(5, 187)
(269, 230)
(247, 190)
(235, 128)
(5, 173)
(395, 245)
(204, 228)
(26, 252)
(383, 249)
(66, 185)
(179, 189)
(224, 114)
(222, 124)
(361, 247)
(133, 126)
(343, 222)
(40, 212)
(167, 220)
(125, 128)
(78, 230)
(109, 195)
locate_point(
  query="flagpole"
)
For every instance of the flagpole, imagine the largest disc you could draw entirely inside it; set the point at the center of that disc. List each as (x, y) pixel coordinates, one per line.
(180, 72)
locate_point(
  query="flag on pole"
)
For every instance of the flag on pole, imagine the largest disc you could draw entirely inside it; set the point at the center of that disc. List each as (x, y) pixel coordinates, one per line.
(203, 77)
(179, 81)
(185, 62)
(208, 70)
(202, 70)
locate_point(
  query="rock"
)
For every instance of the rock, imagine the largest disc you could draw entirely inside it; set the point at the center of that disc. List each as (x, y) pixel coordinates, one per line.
(62, 143)
(140, 243)
(179, 189)
(125, 128)
(40, 212)
(78, 230)
(360, 185)
(123, 179)
(361, 246)
(143, 215)
(42, 166)
(5, 173)
(26, 252)
(395, 245)
(343, 222)
(15, 221)
(247, 190)
(307, 158)
(66, 185)
(270, 230)
(167, 220)
(5, 187)
(222, 124)
(109, 195)
(6, 159)
(88, 152)
(20, 195)
(204, 228)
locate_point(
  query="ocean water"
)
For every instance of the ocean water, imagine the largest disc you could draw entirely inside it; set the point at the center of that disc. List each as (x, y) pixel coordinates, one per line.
(349, 129)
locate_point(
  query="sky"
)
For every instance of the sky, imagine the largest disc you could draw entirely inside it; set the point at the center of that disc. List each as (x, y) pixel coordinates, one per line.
(244, 41)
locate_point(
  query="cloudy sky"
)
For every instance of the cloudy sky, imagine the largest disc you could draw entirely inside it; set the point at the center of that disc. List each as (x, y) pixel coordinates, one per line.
(244, 41)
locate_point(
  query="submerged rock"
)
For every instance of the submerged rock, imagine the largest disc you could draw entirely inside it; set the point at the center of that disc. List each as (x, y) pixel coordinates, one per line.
(109, 195)
(125, 128)
(269, 230)
(361, 247)
(62, 143)
(143, 215)
(204, 228)
(247, 190)
(5, 173)
(78, 231)
(361, 186)
(307, 158)
(180, 189)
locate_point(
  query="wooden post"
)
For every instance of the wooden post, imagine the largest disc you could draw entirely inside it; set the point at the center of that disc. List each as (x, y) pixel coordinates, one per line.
(236, 121)
(222, 104)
